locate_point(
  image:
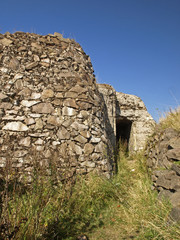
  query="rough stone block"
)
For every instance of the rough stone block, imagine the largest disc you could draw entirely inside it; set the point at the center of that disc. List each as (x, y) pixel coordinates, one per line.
(16, 126)
(43, 108)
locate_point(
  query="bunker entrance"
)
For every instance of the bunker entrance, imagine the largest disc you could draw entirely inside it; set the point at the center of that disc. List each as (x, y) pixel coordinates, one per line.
(123, 131)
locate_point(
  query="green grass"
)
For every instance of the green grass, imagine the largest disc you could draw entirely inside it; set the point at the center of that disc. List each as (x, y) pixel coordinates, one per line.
(124, 207)
(56, 211)
(141, 215)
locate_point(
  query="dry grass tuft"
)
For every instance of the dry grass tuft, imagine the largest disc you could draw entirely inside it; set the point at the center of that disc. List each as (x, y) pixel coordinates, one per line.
(171, 119)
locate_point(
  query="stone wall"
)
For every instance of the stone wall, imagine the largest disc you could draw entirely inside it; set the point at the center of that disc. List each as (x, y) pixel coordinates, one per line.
(50, 104)
(163, 152)
(108, 95)
(51, 108)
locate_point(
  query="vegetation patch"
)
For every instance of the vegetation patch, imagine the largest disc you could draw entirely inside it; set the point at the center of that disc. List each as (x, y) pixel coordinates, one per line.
(124, 207)
(170, 119)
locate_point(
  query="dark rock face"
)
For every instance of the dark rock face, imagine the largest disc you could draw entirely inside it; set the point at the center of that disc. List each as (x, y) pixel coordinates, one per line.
(163, 154)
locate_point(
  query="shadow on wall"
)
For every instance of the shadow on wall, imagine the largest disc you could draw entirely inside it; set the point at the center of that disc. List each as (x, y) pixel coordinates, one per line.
(111, 138)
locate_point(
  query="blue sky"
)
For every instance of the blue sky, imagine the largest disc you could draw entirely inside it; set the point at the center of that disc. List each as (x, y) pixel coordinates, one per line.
(134, 45)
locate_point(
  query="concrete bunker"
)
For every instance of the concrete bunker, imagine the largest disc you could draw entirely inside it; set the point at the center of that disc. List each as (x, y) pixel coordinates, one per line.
(123, 131)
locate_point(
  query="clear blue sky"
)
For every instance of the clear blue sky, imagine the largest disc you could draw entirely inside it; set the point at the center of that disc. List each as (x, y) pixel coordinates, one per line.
(134, 45)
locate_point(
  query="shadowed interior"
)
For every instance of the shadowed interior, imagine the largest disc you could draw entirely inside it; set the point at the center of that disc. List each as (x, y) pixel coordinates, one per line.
(123, 130)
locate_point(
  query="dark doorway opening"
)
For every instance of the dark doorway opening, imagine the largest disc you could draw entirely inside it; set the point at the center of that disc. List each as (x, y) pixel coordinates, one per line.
(123, 131)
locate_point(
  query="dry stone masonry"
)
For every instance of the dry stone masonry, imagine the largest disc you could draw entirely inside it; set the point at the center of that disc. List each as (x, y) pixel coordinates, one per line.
(51, 109)
(163, 154)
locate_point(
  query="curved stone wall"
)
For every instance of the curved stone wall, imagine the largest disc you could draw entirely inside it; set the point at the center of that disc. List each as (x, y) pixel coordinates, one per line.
(50, 107)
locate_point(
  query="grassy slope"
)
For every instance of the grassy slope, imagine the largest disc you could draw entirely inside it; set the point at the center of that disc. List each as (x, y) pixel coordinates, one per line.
(140, 215)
